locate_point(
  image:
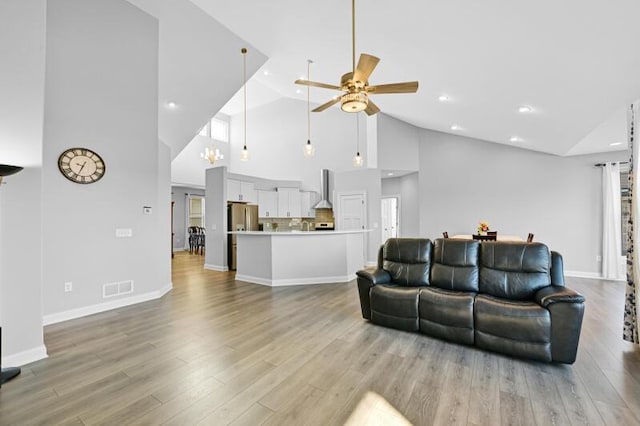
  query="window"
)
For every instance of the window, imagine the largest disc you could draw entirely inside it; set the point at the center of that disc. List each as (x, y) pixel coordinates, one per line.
(216, 129)
(219, 130)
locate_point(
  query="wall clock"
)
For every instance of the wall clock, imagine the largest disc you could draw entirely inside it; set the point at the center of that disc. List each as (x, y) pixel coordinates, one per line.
(81, 165)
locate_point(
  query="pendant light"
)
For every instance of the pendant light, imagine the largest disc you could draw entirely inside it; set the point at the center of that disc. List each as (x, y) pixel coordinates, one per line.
(358, 161)
(244, 154)
(309, 150)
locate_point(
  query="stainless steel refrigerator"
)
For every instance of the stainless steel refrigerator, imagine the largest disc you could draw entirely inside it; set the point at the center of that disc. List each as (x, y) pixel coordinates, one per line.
(240, 217)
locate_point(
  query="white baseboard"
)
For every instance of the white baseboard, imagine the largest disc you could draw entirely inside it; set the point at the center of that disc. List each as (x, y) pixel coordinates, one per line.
(106, 306)
(581, 274)
(176, 250)
(295, 281)
(218, 268)
(25, 357)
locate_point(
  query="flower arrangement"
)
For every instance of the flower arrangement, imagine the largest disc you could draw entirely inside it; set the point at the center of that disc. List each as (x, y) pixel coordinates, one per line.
(483, 227)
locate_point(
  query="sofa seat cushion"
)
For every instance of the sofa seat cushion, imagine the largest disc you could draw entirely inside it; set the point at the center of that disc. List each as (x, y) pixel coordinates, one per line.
(514, 270)
(518, 328)
(407, 260)
(455, 264)
(395, 307)
(447, 314)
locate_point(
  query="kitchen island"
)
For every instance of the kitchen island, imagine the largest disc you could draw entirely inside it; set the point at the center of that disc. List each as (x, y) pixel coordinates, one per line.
(299, 257)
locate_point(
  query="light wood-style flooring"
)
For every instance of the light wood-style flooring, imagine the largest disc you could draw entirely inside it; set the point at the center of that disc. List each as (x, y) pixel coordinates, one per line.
(215, 351)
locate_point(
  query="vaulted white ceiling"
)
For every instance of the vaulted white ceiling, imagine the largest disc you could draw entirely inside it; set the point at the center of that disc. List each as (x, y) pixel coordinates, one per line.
(574, 62)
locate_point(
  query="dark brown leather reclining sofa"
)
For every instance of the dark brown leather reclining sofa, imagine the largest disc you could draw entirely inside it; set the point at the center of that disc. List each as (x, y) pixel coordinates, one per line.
(507, 297)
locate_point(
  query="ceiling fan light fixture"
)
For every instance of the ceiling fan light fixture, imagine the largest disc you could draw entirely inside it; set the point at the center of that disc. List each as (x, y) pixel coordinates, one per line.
(354, 102)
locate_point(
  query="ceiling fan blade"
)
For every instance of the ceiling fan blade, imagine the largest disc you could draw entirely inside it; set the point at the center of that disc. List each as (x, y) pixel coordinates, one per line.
(372, 108)
(327, 105)
(316, 84)
(366, 65)
(408, 87)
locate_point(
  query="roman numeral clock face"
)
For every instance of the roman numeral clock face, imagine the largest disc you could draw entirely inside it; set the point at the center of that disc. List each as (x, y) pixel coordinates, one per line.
(81, 165)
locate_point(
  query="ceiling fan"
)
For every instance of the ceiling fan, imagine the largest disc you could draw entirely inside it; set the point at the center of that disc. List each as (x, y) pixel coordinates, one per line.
(355, 83)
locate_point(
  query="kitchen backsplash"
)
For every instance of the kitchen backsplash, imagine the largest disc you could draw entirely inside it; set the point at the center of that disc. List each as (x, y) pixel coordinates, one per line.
(289, 224)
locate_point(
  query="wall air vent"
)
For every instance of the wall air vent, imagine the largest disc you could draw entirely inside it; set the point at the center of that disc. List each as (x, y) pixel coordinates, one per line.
(117, 289)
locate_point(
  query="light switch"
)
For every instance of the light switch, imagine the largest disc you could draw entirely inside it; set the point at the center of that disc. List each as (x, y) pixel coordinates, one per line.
(214, 227)
(124, 232)
(146, 210)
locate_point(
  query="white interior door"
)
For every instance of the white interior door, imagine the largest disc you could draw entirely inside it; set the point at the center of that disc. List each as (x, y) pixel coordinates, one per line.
(351, 211)
(389, 210)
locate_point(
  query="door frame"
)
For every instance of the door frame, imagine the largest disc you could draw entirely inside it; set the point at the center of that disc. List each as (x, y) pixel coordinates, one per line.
(398, 211)
(187, 212)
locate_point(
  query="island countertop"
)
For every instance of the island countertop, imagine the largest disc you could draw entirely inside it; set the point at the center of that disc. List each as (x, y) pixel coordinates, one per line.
(296, 232)
(284, 258)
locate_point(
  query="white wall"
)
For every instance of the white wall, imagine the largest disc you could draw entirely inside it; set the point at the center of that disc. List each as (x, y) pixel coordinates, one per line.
(369, 181)
(463, 181)
(406, 187)
(102, 93)
(22, 49)
(398, 144)
(277, 133)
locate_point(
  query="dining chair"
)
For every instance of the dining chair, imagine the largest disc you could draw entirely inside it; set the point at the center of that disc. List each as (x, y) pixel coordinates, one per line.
(201, 240)
(494, 233)
(445, 234)
(530, 238)
(484, 237)
(193, 238)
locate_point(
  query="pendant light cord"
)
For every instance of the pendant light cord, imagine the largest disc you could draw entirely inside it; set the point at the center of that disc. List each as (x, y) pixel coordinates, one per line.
(357, 136)
(308, 101)
(244, 78)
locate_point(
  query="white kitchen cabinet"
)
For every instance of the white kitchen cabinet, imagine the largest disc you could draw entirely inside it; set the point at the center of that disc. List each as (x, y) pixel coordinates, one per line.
(267, 203)
(289, 202)
(241, 191)
(308, 199)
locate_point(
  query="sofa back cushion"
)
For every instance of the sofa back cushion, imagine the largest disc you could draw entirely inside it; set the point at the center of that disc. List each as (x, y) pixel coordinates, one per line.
(514, 270)
(407, 260)
(455, 264)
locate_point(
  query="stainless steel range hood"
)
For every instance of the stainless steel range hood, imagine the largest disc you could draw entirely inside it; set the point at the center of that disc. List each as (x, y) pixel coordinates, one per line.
(324, 202)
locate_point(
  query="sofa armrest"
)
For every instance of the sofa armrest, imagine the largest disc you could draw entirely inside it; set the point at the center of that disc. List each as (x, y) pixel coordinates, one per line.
(377, 276)
(566, 308)
(557, 269)
(555, 294)
(366, 280)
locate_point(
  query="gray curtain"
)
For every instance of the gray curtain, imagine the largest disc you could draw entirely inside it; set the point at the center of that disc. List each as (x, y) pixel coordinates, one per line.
(630, 326)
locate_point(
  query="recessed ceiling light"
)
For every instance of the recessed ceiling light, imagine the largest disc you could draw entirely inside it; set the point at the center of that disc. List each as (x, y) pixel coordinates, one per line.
(171, 104)
(615, 144)
(389, 174)
(297, 90)
(302, 77)
(443, 98)
(515, 139)
(455, 127)
(524, 109)
(265, 72)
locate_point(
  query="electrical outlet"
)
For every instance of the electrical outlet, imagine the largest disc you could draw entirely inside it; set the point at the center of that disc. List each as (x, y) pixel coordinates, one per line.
(68, 286)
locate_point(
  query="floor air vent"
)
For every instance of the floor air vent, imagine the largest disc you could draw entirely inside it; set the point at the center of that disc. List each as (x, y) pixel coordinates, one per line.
(117, 289)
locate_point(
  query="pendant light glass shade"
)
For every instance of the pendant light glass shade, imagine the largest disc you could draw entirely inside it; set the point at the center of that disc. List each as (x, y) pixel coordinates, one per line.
(309, 150)
(358, 161)
(244, 154)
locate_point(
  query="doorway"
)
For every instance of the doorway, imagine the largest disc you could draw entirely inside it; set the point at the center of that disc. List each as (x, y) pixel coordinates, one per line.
(194, 210)
(390, 217)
